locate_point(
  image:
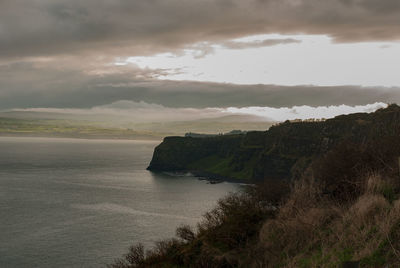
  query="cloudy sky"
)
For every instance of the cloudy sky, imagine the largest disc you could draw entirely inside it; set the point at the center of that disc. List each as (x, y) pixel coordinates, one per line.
(238, 56)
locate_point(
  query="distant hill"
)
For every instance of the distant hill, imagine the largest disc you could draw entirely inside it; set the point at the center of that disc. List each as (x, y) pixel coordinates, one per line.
(46, 123)
(210, 125)
(69, 129)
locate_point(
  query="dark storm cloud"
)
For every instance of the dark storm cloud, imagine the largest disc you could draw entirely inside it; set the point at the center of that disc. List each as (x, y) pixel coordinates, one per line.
(120, 27)
(26, 85)
(59, 53)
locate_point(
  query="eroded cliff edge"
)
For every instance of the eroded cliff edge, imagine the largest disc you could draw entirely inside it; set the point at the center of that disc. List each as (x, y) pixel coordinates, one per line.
(282, 152)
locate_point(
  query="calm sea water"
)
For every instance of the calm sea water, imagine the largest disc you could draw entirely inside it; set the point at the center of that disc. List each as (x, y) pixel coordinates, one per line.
(81, 203)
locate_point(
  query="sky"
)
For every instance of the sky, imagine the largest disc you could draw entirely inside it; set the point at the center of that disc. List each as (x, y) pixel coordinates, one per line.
(263, 57)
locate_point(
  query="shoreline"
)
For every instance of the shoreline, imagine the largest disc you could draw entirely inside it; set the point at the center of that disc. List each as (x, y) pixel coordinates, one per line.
(97, 139)
(89, 137)
(202, 175)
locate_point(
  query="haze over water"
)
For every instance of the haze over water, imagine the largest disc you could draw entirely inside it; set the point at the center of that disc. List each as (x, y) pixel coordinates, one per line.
(82, 203)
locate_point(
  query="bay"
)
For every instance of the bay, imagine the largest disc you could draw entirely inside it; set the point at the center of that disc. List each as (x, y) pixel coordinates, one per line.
(82, 203)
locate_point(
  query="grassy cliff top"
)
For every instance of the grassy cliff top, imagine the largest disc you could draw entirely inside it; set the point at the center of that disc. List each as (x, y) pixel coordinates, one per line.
(281, 152)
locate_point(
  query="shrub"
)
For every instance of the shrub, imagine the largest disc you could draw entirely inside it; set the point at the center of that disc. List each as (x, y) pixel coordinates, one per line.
(134, 258)
(186, 233)
(236, 220)
(272, 192)
(342, 171)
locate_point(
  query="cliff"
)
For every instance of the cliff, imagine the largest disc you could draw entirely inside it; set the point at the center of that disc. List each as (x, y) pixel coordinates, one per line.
(282, 152)
(345, 210)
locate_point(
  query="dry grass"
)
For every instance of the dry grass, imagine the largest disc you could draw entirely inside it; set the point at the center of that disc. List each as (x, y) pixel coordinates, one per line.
(310, 232)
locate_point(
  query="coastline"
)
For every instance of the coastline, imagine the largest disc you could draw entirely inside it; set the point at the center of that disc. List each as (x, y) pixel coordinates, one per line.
(81, 137)
(212, 178)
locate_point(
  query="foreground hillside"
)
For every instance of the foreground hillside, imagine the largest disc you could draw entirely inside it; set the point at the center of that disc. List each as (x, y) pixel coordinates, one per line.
(344, 207)
(282, 152)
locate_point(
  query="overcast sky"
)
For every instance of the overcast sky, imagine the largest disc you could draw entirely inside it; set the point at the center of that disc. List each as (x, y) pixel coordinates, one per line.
(199, 53)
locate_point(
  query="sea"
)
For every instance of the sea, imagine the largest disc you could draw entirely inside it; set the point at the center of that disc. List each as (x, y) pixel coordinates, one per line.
(82, 203)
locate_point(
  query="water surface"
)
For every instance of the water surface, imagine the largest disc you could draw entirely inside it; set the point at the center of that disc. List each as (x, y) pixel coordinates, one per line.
(81, 203)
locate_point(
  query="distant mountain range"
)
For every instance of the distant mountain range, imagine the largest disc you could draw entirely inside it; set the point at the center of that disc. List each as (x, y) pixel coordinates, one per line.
(37, 123)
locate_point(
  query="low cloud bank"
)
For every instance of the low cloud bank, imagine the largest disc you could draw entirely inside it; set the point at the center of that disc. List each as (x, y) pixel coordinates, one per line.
(145, 112)
(305, 112)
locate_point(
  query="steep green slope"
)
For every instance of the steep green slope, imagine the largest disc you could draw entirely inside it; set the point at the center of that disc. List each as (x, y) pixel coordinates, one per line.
(282, 152)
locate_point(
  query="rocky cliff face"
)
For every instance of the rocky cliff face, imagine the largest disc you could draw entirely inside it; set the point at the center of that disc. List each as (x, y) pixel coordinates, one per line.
(282, 152)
